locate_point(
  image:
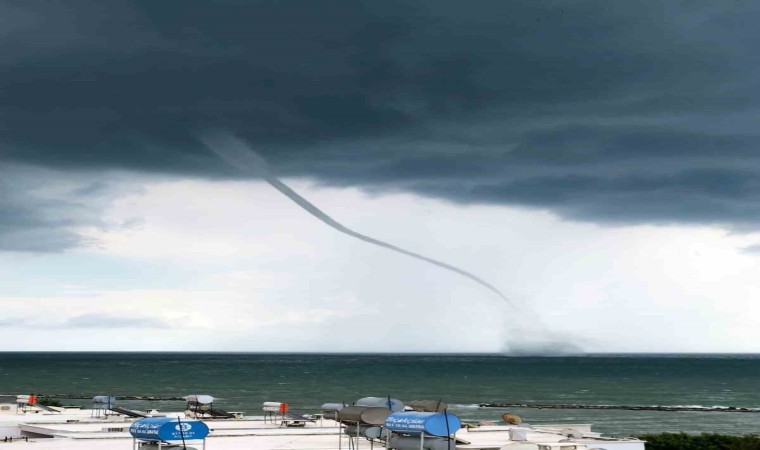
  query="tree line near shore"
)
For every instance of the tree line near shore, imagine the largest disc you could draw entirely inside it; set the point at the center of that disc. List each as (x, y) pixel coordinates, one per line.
(705, 441)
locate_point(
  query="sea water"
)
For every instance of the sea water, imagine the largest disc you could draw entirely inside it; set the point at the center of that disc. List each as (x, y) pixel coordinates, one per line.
(241, 382)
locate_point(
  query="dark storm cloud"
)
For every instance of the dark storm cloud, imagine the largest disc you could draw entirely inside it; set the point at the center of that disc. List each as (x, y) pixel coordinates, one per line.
(32, 222)
(603, 111)
(43, 211)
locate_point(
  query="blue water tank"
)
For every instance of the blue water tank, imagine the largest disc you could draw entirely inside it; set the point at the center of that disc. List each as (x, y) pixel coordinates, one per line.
(168, 429)
(413, 422)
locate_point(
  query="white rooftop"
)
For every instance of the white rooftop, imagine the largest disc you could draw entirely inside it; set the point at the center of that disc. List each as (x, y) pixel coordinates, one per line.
(76, 430)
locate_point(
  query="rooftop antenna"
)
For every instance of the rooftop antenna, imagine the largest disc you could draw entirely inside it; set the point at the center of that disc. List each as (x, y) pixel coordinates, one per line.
(181, 433)
(448, 431)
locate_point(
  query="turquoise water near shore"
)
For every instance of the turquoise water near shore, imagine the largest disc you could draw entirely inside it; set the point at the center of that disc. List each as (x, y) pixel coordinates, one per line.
(241, 382)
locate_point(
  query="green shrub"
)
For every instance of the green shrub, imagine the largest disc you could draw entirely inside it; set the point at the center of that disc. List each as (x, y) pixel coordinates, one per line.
(705, 441)
(44, 401)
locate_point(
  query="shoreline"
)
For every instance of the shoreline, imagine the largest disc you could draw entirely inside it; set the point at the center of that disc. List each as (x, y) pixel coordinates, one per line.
(620, 407)
(152, 398)
(148, 398)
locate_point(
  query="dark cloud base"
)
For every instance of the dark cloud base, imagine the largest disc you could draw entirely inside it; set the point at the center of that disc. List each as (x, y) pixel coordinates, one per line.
(43, 211)
(604, 112)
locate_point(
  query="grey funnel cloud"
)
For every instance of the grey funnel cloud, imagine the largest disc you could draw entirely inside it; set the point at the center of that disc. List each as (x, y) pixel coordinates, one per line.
(239, 154)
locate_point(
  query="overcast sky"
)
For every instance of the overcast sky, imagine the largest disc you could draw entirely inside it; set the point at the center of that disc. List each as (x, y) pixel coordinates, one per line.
(595, 161)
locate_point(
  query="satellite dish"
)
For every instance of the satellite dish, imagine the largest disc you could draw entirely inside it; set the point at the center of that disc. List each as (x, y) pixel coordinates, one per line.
(202, 399)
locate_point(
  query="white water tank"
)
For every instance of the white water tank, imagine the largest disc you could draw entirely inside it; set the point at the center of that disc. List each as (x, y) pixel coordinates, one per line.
(274, 407)
(518, 434)
(200, 399)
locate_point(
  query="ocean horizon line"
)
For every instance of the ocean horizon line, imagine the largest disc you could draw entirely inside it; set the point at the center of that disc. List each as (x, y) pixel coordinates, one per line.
(260, 352)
